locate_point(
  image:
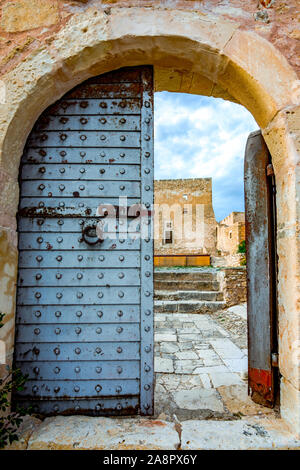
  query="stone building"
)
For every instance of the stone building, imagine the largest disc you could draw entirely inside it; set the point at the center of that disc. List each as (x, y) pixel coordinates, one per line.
(247, 52)
(230, 233)
(184, 217)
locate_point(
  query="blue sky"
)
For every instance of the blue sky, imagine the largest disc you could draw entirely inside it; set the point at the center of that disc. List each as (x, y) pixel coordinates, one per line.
(200, 137)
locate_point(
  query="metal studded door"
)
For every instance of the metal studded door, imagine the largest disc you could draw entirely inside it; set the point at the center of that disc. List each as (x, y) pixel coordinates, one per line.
(260, 213)
(84, 331)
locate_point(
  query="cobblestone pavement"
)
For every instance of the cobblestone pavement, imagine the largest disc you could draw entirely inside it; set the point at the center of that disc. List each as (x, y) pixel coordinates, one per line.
(201, 398)
(234, 320)
(200, 370)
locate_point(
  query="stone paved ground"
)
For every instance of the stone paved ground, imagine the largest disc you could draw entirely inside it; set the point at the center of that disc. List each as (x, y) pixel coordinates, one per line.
(201, 399)
(234, 320)
(201, 366)
(91, 433)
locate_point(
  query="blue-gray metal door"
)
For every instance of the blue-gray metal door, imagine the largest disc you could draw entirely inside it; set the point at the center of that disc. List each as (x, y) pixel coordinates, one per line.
(84, 331)
(260, 211)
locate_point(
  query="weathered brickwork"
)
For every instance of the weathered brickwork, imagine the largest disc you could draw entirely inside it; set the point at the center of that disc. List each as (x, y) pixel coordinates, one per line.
(184, 204)
(247, 52)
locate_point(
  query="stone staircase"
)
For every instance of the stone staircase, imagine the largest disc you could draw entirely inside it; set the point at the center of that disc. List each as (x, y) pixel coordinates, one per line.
(187, 291)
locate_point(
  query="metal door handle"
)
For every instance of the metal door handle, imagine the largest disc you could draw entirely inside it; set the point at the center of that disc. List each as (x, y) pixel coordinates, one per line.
(90, 236)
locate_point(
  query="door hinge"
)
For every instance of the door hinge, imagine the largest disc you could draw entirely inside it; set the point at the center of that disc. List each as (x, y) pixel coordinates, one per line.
(275, 359)
(270, 170)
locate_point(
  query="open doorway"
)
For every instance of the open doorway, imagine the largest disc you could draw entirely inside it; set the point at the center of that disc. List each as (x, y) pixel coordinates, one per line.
(201, 282)
(232, 65)
(200, 277)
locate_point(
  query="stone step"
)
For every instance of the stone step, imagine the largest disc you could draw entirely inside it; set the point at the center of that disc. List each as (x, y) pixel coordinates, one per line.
(187, 306)
(175, 285)
(188, 295)
(188, 275)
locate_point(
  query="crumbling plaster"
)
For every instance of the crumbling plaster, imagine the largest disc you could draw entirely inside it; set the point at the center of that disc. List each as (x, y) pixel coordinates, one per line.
(214, 48)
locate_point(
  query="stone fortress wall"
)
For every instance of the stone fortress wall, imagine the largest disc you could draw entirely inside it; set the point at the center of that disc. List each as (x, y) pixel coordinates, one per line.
(187, 203)
(177, 202)
(230, 233)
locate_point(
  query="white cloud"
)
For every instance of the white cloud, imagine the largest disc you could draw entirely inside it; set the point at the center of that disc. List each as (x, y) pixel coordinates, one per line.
(197, 136)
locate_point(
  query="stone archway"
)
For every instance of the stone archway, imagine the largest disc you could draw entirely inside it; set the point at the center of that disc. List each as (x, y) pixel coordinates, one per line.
(190, 53)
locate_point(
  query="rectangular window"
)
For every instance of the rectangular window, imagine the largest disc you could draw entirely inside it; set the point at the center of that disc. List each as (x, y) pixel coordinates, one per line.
(168, 237)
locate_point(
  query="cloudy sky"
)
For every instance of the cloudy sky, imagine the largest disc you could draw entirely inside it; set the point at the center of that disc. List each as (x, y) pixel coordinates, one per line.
(200, 137)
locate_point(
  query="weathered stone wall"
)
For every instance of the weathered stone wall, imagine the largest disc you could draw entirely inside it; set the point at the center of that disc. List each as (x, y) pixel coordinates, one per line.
(230, 233)
(233, 217)
(247, 52)
(230, 261)
(27, 25)
(172, 198)
(233, 283)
